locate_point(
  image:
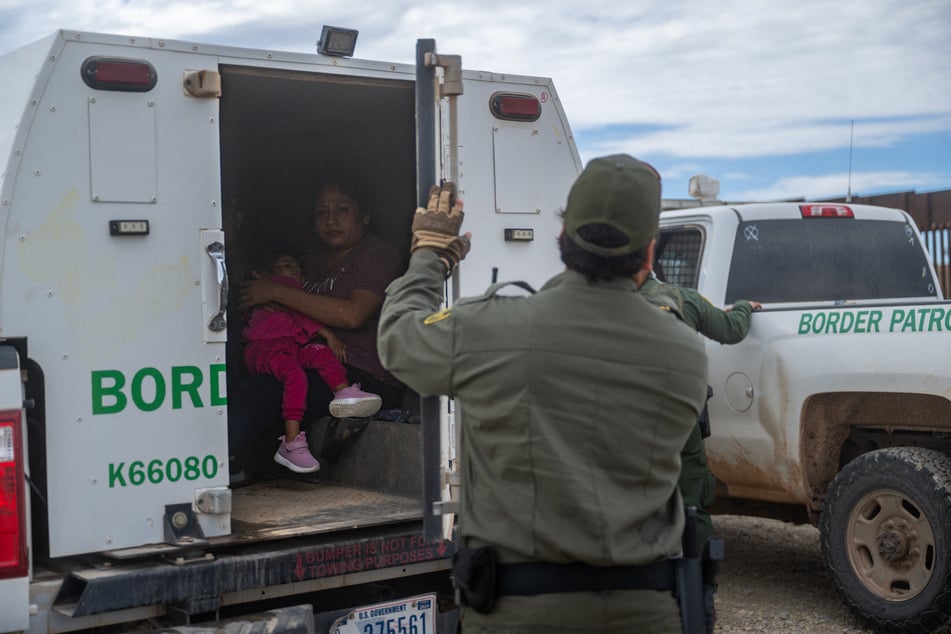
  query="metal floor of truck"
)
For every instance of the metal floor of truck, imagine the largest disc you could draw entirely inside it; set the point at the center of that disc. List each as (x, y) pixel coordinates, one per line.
(276, 509)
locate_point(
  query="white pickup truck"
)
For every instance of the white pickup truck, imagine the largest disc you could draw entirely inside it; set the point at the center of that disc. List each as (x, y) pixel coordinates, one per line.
(836, 408)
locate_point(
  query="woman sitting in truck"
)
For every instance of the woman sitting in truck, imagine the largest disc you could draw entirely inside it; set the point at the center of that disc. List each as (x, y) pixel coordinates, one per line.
(347, 273)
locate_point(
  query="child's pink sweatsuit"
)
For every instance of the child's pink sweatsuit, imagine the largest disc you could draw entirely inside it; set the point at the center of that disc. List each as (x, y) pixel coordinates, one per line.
(278, 343)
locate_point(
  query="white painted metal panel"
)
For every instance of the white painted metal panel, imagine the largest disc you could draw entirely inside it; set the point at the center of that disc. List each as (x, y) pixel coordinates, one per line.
(135, 411)
(122, 153)
(525, 168)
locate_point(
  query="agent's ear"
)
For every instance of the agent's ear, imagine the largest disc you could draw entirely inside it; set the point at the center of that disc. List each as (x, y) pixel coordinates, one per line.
(641, 276)
(649, 264)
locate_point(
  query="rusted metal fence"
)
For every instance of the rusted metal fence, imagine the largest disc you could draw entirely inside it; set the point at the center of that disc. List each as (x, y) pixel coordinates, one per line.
(932, 213)
(938, 240)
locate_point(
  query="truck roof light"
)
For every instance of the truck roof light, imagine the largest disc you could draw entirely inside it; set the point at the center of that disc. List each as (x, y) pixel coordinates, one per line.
(13, 553)
(112, 73)
(826, 211)
(515, 107)
(337, 41)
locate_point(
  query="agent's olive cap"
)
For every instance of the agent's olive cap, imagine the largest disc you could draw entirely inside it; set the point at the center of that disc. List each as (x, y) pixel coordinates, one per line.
(619, 191)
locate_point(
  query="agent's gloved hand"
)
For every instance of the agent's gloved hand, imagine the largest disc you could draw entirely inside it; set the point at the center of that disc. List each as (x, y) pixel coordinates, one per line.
(437, 226)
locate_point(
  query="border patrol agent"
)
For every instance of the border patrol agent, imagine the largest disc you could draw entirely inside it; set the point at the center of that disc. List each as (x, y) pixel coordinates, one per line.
(697, 484)
(576, 402)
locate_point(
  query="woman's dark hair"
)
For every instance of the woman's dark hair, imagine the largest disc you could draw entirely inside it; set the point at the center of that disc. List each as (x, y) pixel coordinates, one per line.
(600, 267)
(348, 185)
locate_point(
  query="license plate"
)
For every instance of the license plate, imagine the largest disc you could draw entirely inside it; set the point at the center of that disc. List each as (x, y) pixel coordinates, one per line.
(416, 615)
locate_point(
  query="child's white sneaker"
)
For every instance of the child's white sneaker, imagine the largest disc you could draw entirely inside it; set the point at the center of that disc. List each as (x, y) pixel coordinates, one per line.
(352, 402)
(296, 456)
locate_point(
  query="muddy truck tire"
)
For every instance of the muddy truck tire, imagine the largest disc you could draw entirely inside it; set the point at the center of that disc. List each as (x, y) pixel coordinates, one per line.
(885, 538)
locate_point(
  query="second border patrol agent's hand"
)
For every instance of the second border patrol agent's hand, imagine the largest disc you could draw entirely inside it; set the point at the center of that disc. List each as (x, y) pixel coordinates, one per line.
(437, 226)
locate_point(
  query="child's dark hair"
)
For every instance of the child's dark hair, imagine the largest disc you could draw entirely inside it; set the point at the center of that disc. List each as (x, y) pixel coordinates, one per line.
(265, 259)
(271, 264)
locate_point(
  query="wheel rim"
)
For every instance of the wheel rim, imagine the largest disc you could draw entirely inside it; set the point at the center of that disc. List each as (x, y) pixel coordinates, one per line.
(891, 545)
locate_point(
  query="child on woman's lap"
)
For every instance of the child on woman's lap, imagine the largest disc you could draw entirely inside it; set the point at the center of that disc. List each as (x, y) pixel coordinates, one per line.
(279, 343)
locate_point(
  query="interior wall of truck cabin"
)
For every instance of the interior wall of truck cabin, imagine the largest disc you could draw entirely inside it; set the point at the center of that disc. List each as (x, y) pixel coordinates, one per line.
(282, 134)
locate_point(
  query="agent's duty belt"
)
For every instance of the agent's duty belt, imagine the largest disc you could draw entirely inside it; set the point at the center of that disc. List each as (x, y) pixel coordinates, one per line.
(479, 579)
(545, 578)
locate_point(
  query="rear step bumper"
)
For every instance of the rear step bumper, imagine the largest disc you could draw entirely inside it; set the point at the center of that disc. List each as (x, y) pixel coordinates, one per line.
(208, 580)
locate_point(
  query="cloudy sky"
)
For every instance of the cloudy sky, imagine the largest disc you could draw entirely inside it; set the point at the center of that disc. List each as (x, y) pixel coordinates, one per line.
(762, 95)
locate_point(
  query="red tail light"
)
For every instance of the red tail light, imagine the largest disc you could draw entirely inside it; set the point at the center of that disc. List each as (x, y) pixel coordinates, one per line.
(826, 211)
(13, 553)
(515, 107)
(126, 75)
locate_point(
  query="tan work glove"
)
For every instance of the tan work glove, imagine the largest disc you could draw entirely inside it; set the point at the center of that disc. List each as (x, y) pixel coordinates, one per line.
(437, 226)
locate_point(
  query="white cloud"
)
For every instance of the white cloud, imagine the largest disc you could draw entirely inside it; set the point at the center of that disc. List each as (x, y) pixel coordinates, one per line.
(773, 138)
(837, 185)
(728, 79)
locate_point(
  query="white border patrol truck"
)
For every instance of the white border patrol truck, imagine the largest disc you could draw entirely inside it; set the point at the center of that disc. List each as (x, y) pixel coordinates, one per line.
(836, 407)
(139, 176)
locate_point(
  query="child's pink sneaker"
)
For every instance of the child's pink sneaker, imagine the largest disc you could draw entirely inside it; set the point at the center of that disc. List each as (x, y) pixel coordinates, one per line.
(352, 402)
(295, 455)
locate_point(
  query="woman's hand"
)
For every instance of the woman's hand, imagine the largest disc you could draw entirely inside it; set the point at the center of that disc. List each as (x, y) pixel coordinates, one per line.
(257, 291)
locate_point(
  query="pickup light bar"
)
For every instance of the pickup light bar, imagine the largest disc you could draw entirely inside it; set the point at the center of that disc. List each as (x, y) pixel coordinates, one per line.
(826, 211)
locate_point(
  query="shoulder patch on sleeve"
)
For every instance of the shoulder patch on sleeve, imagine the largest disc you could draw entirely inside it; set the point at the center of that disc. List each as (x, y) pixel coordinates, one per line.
(437, 316)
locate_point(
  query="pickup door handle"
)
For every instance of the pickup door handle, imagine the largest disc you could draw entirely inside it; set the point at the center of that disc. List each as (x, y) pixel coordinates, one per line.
(216, 251)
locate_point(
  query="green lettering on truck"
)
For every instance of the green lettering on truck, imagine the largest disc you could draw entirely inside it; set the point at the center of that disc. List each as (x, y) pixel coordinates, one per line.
(832, 325)
(217, 371)
(115, 475)
(158, 388)
(113, 392)
(149, 388)
(909, 322)
(860, 320)
(805, 320)
(848, 321)
(179, 387)
(936, 316)
(842, 322)
(156, 471)
(898, 315)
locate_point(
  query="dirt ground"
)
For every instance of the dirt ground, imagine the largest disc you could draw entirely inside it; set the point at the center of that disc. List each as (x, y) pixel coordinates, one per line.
(773, 580)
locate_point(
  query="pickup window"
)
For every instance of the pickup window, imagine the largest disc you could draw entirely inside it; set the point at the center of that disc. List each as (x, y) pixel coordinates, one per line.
(827, 259)
(678, 256)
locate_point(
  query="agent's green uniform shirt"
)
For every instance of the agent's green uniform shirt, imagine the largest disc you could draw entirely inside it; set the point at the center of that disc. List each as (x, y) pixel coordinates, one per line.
(698, 313)
(576, 402)
(697, 484)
